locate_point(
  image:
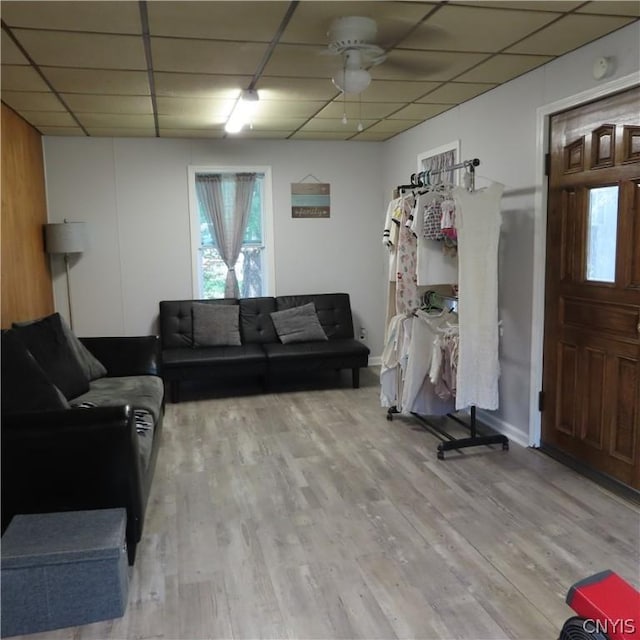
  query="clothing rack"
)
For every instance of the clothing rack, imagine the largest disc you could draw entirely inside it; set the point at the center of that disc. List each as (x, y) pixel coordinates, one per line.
(448, 441)
(422, 178)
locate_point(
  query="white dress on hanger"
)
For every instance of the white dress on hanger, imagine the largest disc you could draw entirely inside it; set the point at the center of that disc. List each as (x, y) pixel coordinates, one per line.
(478, 220)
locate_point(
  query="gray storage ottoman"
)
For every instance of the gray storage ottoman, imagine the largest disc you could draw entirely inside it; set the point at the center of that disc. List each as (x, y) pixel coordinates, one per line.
(63, 569)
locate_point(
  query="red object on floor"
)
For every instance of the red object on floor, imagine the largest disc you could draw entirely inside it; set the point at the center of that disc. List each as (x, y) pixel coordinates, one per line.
(609, 604)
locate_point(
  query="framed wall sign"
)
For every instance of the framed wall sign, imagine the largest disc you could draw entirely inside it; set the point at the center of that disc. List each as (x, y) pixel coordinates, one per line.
(310, 199)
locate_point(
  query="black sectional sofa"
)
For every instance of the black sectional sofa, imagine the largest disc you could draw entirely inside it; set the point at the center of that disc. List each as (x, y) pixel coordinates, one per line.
(96, 450)
(260, 352)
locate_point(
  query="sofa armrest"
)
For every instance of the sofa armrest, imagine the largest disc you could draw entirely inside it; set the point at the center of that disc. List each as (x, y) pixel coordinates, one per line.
(127, 355)
(72, 459)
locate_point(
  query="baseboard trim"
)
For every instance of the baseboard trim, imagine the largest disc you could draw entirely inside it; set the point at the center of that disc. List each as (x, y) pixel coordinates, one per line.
(505, 428)
(375, 361)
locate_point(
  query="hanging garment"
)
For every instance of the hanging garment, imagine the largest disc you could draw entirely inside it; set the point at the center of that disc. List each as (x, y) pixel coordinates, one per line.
(478, 221)
(432, 265)
(390, 234)
(418, 393)
(390, 378)
(407, 297)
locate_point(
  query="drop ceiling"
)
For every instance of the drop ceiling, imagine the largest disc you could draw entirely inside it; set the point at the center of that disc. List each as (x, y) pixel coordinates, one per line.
(175, 69)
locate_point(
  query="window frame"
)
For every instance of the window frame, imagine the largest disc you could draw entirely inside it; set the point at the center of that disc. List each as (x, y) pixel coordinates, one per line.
(267, 223)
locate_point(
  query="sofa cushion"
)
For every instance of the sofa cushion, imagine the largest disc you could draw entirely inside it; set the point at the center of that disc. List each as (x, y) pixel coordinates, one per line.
(215, 325)
(176, 325)
(256, 326)
(141, 392)
(298, 324)
(246, 353)
(347, 348)
(48, 344)
(25, 386)
(333, 309)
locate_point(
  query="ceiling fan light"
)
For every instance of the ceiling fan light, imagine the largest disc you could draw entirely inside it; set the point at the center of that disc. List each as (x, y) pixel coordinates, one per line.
(351, 80)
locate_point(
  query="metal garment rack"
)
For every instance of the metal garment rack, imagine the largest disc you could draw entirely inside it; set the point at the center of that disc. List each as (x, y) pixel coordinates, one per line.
(448, 441)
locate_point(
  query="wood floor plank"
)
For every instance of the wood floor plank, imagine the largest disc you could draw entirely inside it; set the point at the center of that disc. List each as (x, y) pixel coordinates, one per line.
(305, 513)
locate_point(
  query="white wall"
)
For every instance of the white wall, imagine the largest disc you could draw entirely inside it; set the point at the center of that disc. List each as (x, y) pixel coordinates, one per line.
(133, 193)
(499, 127)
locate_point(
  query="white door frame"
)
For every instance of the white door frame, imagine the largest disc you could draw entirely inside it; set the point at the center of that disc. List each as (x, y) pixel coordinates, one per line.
(540, 234)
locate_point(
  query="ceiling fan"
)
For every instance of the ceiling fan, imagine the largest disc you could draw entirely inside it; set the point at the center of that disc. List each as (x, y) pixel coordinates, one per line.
(353, 38)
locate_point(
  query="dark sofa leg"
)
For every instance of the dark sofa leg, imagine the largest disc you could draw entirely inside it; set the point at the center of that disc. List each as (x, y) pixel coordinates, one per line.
(356, 377)
(175, 391)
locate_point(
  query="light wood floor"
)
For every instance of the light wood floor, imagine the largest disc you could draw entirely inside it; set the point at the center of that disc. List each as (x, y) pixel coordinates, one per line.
(306, 514)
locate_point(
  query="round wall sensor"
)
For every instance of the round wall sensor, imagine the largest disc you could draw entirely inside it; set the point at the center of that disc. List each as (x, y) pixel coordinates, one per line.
(601, 68)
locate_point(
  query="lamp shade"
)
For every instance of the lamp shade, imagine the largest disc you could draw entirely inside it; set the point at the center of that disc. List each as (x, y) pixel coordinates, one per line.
(65, 237)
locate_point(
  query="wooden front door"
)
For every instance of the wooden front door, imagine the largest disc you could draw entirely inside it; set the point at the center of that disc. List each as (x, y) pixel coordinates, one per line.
(591, 370)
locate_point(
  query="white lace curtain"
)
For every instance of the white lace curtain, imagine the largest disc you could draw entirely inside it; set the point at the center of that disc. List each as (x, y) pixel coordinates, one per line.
(227, 224)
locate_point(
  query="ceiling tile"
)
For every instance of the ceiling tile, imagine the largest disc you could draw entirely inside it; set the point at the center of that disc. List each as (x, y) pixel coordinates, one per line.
(529, 5)
(191, 121)
(336, 124)
(456, 28)
(98, 81)
(48, 118)
(502, 68)
(206, 56)
(108, 104)
(205, 108)
(569, 33)
(167, 132)
(19, 78)
(246, 21)
(312, 19)
(10, 53)
(612, 7)
(420, 111)
(61, 131)
(199, 85)
(456, 92)
(32, 101)
(264, 134)
(268, 109)
(278, 124)
(275, 88)
(397, 90)
(393, 126)
(370, 110)
(301, 61)
(372, 136)
(100, 17)
(116, 132)
(115, 121)
(403, 64)
(321, 135)
(85, 50)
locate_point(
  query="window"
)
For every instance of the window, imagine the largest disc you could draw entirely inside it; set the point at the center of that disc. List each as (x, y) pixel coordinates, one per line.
(254, 267)
(602, 230)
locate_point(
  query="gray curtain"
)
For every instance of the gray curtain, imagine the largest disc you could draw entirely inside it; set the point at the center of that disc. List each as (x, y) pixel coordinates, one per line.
(436, 163)
(227, 224)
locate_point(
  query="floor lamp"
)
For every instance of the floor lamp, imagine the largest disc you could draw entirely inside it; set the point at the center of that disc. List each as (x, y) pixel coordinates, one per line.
(65, 238)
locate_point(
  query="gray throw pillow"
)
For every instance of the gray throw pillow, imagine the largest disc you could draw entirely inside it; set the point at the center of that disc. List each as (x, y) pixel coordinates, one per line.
(90, 365)
(216, 325)
(298, 324)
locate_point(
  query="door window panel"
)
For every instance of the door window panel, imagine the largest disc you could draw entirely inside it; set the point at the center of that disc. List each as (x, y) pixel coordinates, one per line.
(602, 227)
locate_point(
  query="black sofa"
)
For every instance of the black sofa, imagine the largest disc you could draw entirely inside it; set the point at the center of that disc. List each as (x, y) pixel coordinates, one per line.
(98, 451)
(261, 353)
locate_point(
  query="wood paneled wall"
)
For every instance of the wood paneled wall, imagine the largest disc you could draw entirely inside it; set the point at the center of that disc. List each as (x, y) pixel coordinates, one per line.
(27, 289)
